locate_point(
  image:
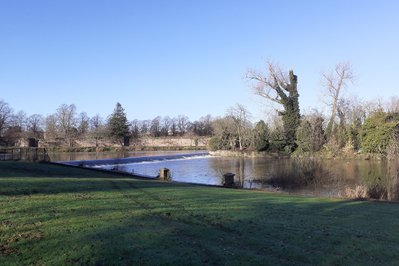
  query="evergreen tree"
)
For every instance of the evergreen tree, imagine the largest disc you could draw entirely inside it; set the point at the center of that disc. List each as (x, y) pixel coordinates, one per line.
(261, 136)
(118, 125)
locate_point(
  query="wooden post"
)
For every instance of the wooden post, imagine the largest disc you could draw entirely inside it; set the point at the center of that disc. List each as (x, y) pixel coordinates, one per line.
(164, 174)
(228, 180)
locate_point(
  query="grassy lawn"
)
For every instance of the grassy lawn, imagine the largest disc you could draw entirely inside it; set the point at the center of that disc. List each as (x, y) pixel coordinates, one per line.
(54, 215)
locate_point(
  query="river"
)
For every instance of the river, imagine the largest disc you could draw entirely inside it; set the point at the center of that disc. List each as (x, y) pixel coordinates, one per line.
(311, 177)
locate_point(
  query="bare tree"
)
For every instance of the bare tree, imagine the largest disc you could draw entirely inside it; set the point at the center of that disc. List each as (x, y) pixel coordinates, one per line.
(280, 88)
(182, 124)
(83, 124)
(334, 82)
(5, 116)
(155, 127)
(97, 127)
(166, 124)
(66, 118)
(393, 105)
(240, 116)
(19, 120)
(35, 126)
(51, 127)
(145, 127)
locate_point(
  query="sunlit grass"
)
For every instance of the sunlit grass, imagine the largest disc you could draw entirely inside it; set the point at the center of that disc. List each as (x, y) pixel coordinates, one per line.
(52, 215)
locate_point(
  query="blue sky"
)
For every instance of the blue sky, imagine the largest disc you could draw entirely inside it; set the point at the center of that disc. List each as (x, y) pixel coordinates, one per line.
(187, 57)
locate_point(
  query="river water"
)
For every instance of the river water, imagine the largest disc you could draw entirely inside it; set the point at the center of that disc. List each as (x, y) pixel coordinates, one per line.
(314, 177)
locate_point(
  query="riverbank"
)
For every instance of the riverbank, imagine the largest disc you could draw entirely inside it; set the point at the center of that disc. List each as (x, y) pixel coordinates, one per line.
(125, 149)
(282, 155)
(140, 144)
(250, 154)
(55, 215)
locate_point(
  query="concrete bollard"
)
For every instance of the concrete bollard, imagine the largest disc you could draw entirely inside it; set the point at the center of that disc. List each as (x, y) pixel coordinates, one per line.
(228, 180)
(164, 174)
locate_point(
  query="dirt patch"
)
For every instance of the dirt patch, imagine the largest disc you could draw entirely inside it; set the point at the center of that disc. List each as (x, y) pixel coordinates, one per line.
(6, 250)
(7, 224)
(83, 196)
(30, 235)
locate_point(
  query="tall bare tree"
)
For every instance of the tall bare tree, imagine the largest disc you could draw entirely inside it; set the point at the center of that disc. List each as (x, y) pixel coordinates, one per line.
(66, 118)
(97, 128)
(51, 131)
(182, 124)
(334, 83)
(83, 123)
(281, 88)
(240, 116)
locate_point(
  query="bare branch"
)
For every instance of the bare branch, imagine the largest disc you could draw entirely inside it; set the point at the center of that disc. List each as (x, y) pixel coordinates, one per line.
(334, 82)
(271, 85)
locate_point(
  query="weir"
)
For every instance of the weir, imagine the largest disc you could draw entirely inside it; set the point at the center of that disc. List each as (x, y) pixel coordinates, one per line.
(129, 160)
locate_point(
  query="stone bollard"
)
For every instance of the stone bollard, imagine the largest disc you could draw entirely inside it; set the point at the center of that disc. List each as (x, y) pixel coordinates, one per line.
(164, 174)
(228, 180)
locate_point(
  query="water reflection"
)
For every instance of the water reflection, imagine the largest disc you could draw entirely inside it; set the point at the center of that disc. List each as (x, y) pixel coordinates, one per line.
(315, 177)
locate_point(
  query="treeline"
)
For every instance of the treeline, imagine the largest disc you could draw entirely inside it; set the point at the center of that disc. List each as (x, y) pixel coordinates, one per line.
(352, 126)
(65, 127)
(370, 127)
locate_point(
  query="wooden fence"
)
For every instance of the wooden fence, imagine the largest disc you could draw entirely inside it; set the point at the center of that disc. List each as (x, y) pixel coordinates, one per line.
(24, 154)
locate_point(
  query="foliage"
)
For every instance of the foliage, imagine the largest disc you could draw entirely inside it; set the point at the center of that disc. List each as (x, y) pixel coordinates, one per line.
(291, 113)
(280, 88)
(216, 143)
(225, 137)
(118, 124)
(261, 134)
(304, 137)
(377, 131)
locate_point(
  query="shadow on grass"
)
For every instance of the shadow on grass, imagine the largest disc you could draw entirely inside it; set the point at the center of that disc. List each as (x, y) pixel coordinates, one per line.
(248, 230)
(151, 223)
(19, 178)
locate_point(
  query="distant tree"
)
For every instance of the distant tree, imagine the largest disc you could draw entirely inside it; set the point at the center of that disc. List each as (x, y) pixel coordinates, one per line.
(240, 117)
(17, 127)
(35, 126)
(97, 128)
(5, 116)
(155, 127)
(145, 127)
(182, 124)
(276, 137)
(51, 131)
(83, 124)
(281, 88)
(202, 127)
(118, 124)
(174, 131)
(393, 105)
(135, 128)
(261, 134)
(225, 137)
(310, 133)
(377, 131)
(19, 120)
(166, 124)
(334, 82)
(66, 120)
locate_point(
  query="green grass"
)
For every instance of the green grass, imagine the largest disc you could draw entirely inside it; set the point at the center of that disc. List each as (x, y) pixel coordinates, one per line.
(54, 215)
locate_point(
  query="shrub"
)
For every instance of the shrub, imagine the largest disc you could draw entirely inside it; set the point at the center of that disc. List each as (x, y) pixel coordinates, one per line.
(377, 131)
